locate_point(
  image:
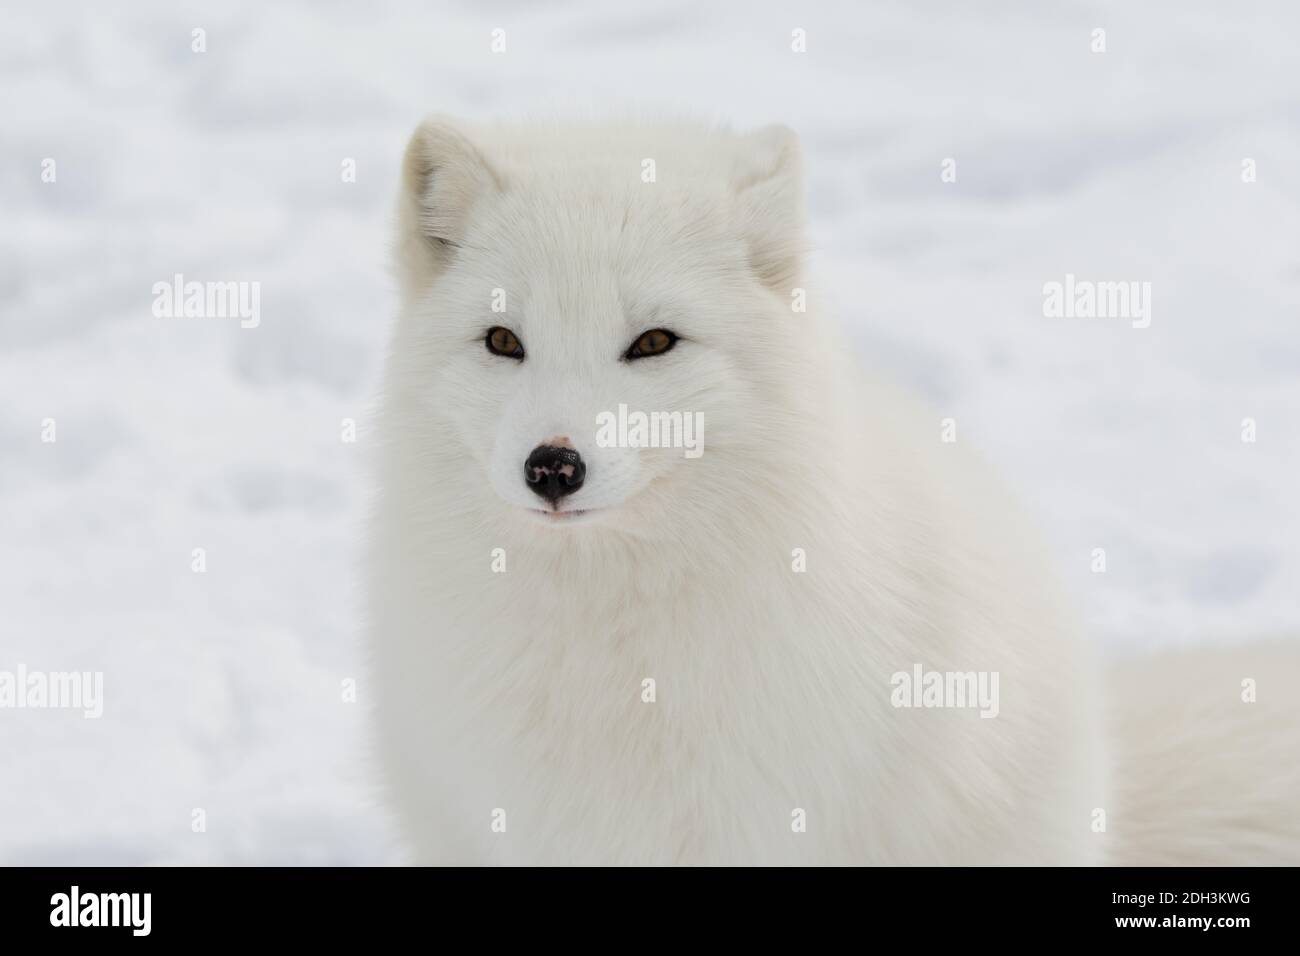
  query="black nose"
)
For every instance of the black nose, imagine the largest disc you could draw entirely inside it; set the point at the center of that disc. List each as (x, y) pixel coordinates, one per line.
(553, 472)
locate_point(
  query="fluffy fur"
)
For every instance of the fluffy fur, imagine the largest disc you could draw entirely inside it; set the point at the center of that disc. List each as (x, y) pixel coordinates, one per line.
(522, 690)
(1203, 776)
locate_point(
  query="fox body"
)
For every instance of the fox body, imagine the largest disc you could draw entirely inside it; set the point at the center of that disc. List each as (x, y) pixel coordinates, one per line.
(587, 652)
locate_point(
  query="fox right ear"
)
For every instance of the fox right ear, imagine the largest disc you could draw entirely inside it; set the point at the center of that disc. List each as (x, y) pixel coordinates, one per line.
(769, 193)
(443, 175)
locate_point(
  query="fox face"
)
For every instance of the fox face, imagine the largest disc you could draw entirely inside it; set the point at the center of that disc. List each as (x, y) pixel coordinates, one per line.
(588, 338)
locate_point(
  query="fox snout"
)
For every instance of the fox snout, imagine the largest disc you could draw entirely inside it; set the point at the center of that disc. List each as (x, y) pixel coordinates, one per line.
(554, 470)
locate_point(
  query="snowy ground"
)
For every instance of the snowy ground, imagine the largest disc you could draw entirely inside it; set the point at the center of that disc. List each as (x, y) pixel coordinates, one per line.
(223, 689)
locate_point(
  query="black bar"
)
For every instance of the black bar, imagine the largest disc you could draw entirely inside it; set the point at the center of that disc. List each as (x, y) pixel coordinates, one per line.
(341, 906)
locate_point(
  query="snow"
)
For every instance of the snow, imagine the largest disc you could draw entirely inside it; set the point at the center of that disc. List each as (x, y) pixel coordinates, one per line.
(223, 689)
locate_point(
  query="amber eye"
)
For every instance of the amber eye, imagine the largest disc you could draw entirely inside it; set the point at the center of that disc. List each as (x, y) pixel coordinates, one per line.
(503, 342)
(654, 342)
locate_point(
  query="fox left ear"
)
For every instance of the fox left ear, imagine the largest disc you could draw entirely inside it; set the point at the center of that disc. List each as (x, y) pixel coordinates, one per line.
(443, 175)
(769, 200)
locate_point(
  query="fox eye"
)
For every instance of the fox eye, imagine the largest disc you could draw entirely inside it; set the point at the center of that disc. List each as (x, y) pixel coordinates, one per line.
(503, 342)
(654, 342)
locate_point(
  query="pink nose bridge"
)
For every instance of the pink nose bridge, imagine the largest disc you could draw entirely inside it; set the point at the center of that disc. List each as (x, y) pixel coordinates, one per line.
(541, 471)
(556, 441)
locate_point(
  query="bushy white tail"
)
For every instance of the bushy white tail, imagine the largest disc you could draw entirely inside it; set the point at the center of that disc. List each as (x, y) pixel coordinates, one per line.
(1207, 758)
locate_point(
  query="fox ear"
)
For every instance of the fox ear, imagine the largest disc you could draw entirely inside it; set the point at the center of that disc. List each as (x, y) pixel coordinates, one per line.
(769, 193)
(443, 175)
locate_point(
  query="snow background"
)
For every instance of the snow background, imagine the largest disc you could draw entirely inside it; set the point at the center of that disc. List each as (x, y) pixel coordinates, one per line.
(223, 689)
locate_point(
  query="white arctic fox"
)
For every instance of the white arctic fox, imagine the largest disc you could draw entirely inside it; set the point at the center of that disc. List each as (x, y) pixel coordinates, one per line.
(820, 637)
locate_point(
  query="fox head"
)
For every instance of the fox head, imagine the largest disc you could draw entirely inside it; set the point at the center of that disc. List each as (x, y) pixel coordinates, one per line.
(597, 324)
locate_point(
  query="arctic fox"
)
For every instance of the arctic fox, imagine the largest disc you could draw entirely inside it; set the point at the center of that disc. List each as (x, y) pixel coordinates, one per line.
(823, 638)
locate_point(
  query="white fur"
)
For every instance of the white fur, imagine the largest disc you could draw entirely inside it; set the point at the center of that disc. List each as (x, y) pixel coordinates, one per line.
(1202, 775)
(522, 691)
